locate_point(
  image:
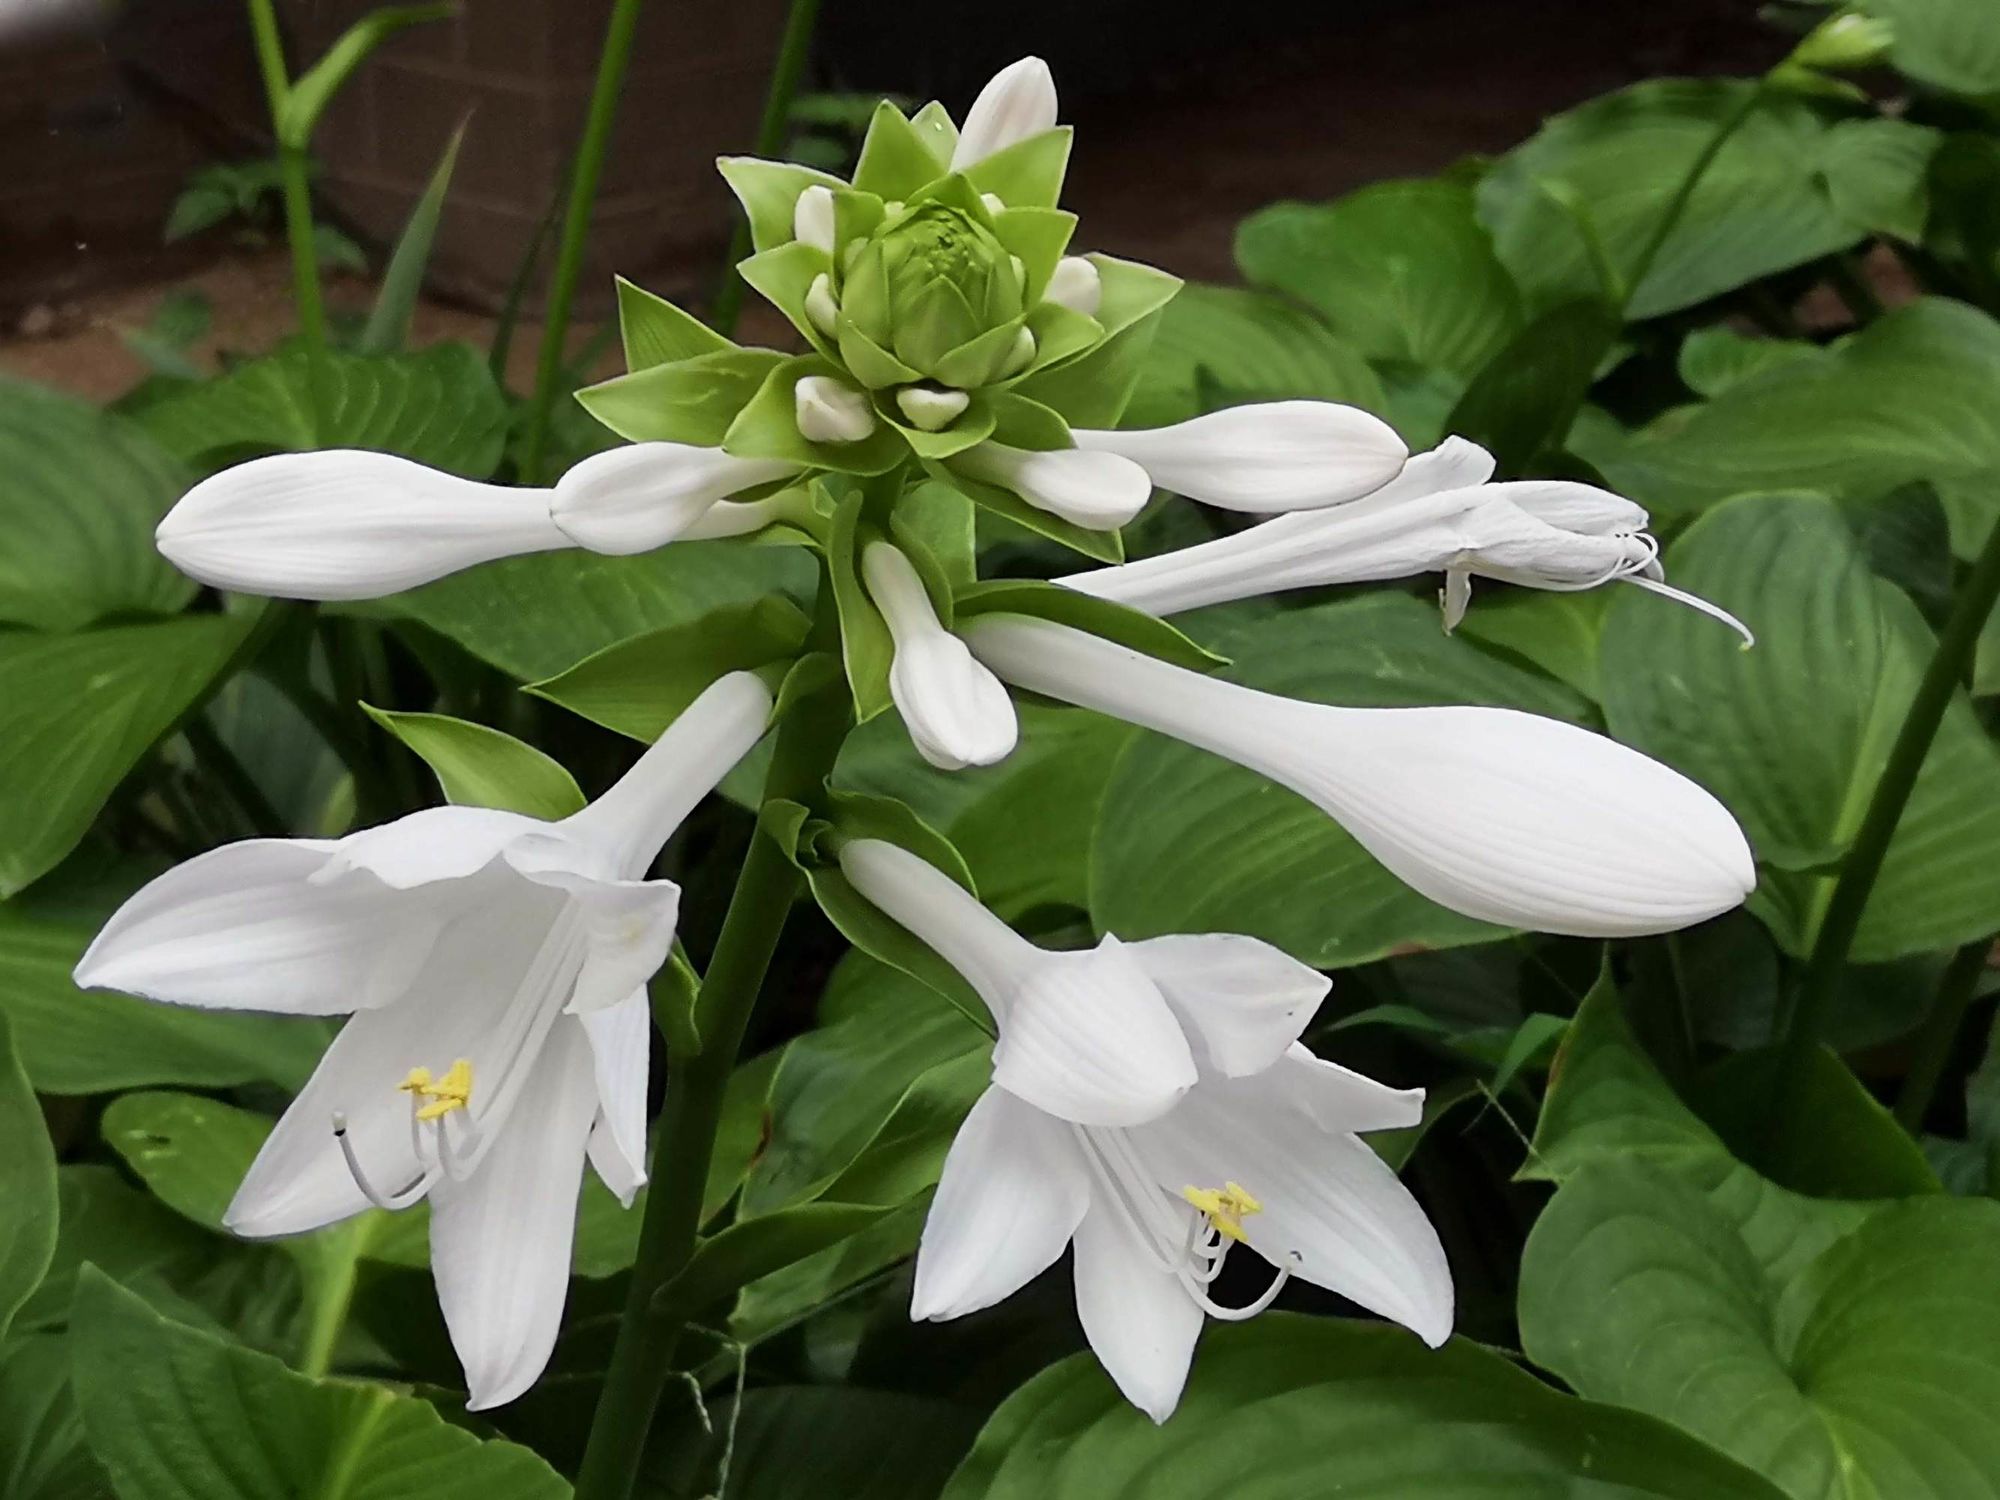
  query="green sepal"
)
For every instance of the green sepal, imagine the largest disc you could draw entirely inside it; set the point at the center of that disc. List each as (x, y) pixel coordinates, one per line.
(671, 996)
(655, 332)
(1027, 174)
(952, 190)
(1039, 236)
(931, 324)
(769, 192)
(979, 361)
(869, 363)
(1119, 623)
(1104, 546)
(973, 425)
(481, 767)
(689, 401)
(866, 646)
(856, 215)
(943, 520)
(640, 686)
(811, 674)
(1093, 389)
(768, 427)
(1128, 290)
(864, 291)
(731, 1259)
(930, 570)
(936, 129)
(782, 276)
(1061, 333)
(1021, 422)
(896, 158)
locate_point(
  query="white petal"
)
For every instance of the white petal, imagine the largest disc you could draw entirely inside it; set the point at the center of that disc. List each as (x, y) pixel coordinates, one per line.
(1075, 285)
(621, 1045)
(430, 845)
(831, 411)
(1018, 102)
(946, 916)
(346, 524)
(1331, 1210)
(500, 1243)
(1501, 815)
(1267, 456)
(1097, 491)
(1339, 1099)
(628, 930)
(1241, 1001)
(1012, 1192)
(243, 928)
(812, 217)
(735, 518)
(1088, 1038)
(1571, 506)
(958, 713)
(1141, 1324)
(636, 498)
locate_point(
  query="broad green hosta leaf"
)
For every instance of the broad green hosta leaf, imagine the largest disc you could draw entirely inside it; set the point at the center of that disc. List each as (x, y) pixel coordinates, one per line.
(1714, 359)
(1785, 189)
(1915, 395)
(124, 1232)
(27, 1186)
(1294, 1406)
(1792, 735)
(80, 711)
(1842, 1349)
(1187, 842)
(533, 617)
(440, 407)
(80, 493)
(1950, 44)
(1219, 345)
(42, 1451)
(1403, 271)
(174, 1414)
(481, 767)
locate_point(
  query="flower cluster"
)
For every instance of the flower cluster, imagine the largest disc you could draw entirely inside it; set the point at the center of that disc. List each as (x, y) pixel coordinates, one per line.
(1151, 1103)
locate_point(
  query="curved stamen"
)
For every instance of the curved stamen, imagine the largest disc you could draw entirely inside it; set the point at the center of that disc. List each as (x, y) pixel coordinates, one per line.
(1694, 602)
(1242, 1314)
(448, 1159)
(402, 1198)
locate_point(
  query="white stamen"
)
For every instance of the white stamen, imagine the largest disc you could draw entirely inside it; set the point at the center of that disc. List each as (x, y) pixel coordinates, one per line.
(403, 1198)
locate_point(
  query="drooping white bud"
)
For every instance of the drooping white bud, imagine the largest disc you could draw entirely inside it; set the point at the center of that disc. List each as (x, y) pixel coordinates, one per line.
(1075, 285)
(831, 411)
(957, 712)
(1098, 491)
(642, 496)
(821, 306)
(812, 218)
(930, 408)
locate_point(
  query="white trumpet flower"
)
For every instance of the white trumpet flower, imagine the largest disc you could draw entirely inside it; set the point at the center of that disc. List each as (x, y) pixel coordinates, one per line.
(1501, 815)
(644, 495)
(495, 968)
(1018, 102)
(1097, 491)
(347, 524)
(1440, 514)
(1265, 456)
(1260, 1148)
(957, 712)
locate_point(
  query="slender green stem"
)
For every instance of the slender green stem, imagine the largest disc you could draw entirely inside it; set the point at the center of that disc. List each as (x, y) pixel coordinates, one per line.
(292, 171)
(1864, 857)
(784, 87)
(1940, 1032)
(1730, 124)
(331, 1294)
(641, 1361)
(585, 172)
(213, 754)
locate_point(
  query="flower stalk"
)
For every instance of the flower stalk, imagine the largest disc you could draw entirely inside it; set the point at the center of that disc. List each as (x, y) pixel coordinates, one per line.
(297, 194)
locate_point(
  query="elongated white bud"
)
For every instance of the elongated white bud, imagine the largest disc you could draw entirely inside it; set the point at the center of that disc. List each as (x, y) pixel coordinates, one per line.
(1075, 285)
(1098, 491)
(346, 524)
(812, 218)
(956, 710)
(831, 411)
(821, 307)
(636, 498)
(1019, 102)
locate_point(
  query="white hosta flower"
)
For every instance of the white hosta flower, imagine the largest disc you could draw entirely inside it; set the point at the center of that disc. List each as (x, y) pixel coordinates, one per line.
(1260, 1149)
(1440, 514)
(495, 968)
(1502, 815)
(1097, 491)
(812, 217)
(831, 411)
(1266, 456)
(1075, 285)
(1018, 102)
(958, 713)
(644, 495)
(346, 524)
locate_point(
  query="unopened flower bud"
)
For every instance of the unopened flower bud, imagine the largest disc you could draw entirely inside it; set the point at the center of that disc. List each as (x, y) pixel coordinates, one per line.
(812, 218)
(1075, 285)
(994, 203)
(1020, 356)
(821, 306)
(830, 411)
(930, 409)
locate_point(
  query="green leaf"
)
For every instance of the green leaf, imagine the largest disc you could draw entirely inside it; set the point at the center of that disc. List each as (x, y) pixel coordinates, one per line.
(1187, 842)
(125, 1233)
(736, 1256)
(655, 332)
(481, 767)
(403, 279)
(640, 686)
(690, 400)
(1524, 400)
(314, 89)
(80, 493)
(1128, 627)
(866, 648)
(1252, 347)
(1714, 359)
(81, 710)
(174, 1414)
(42, 1450)
(1793, 735)
(1403, 271)
(439, 407)
(1950, 44)
(1290, 1405)
(1768, 202)
(535, 617)
(27, 1186)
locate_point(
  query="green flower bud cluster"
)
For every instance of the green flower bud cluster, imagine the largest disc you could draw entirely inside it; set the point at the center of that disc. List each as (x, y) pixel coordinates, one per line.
(935, 288)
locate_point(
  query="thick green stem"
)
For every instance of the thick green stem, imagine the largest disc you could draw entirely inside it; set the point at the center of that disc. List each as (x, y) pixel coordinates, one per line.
(1731, 123)
(784, 87)
(292, 171)
(1940, 1033)
(1885, 809)
(585, 172)
(808, 740)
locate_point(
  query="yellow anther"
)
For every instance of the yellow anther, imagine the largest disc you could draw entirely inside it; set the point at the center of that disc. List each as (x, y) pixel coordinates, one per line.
(1225, 1207)
(453, 1091)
